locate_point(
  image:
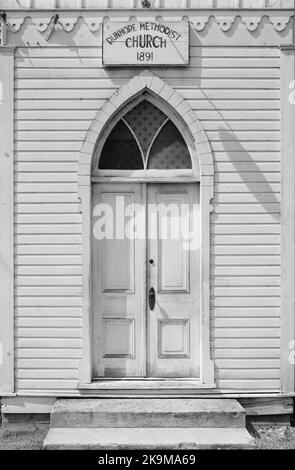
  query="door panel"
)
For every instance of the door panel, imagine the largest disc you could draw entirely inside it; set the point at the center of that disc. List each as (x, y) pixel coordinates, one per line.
(117, 254)
(117, 283)
(173, 325)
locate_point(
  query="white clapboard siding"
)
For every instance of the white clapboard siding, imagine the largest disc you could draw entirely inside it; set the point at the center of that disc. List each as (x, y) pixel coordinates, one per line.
(38, 208)
(48, 230)
(47, 363)
(59, 332)
(227, 356)
(84, 72)
(268, 229)
(235, 92)
(46, 198)
(49, 187)
(263, 385)
(243, 280)
(82, 125)
(245, 250)
(48, 343)
(41, 270)
(234, 188)
(44, 322)
(41, 239)
(40, 374)
(43, 385)
(63, 291)
(247, 209)
(235, 333)
(247, 200)
(253, 322)
(95, 63)
(34, 354)
(250, 301)
(246, 343)
(48, 280)
(46, 301)
(206, 115)
(42, 312)
(44, 82)
(191, 94)
(43, 166)
(244, 311)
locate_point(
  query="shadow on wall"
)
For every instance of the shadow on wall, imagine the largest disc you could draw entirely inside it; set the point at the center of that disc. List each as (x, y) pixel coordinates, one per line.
(227, 138)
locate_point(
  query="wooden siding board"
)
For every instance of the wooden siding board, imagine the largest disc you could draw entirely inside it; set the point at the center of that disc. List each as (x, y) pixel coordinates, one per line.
(236, 96)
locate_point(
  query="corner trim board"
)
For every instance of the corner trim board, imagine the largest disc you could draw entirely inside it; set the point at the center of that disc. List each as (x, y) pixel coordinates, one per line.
(7, 222)
(288, 221)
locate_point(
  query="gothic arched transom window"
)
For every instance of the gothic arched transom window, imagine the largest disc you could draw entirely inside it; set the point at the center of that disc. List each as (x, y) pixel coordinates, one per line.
(145, 138)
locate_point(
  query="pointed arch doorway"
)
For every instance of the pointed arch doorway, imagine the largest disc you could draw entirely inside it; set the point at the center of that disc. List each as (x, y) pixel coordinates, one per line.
(147, 304)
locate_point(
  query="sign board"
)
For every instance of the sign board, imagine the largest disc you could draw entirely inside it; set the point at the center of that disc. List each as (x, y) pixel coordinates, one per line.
(143, 43)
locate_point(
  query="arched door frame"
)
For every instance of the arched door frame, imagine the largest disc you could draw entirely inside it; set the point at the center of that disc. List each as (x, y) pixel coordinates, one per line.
(202, 165)
(167, 109)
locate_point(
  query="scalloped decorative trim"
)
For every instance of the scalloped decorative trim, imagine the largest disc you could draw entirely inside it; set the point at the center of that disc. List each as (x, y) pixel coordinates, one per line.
(199, 23)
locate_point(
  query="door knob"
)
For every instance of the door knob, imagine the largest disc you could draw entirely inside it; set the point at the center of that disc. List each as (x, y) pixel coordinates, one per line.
(152, 298)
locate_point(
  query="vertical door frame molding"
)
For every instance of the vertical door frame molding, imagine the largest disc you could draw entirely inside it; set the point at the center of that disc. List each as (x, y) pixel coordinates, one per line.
(6, 216)
(288, 218)
(147, 81)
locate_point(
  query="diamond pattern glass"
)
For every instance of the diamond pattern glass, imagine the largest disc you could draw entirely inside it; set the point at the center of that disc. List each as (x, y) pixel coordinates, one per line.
(120, 152)
(169, 150)
(145, 120)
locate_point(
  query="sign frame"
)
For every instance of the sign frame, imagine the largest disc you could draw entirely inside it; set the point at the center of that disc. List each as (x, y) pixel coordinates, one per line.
(145, 63)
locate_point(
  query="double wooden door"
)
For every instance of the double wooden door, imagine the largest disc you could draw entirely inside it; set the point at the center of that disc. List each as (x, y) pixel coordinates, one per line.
(146, 280)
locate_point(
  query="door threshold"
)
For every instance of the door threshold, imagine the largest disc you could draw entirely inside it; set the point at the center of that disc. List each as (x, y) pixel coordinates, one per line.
(143, 384)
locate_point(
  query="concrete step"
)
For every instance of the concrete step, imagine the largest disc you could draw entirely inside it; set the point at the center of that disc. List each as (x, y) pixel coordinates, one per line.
(147, 438)
(147, 413)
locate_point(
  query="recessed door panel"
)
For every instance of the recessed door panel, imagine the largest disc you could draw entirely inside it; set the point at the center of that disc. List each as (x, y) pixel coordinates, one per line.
(117, 248)
(173, 338)
(172, 219)
(118, 337)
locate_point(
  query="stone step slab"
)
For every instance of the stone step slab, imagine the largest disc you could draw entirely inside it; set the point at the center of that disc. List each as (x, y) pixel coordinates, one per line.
(146, 438)
(147, 413)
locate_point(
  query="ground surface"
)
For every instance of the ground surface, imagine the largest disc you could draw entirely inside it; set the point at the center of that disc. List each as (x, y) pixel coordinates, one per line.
(275, 437)
(21, 441)
(270, 437)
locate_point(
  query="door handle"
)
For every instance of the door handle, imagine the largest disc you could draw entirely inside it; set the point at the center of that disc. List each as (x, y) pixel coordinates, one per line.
(152, 298)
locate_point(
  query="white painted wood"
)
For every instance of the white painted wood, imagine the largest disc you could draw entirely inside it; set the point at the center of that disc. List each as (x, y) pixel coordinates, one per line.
(27, 405)
(174, 336)
(239, 114)
(6, 217)
(248, 31)
(117, 285)
(145, 43)
(261, 74)
(91, 58)
(205, 156)
(288, 219)
(92, 4)
(113, 305)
